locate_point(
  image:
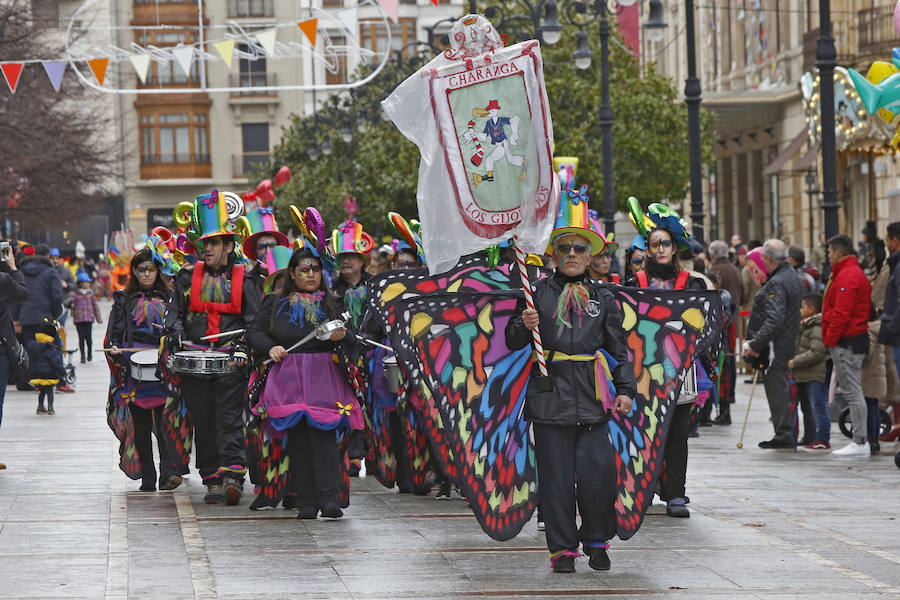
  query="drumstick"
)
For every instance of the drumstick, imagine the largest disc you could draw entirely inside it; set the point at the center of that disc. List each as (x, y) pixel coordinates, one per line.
(311, 335)
(224, 333)
(123, 349)
(366, 340)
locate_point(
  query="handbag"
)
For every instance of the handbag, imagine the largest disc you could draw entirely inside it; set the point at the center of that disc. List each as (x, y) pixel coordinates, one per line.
(18, 362)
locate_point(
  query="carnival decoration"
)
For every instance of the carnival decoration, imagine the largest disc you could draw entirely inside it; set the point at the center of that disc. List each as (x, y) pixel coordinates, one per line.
(349, 238)
(407, 234)
(328, 38)
(566, 168)
(879, 92)
(480, 117)
(277, 260)
(209, 215)
(283, 175)
(659, 216)
(572, 217)
(162, 246)
(449, 332)
(611, 244)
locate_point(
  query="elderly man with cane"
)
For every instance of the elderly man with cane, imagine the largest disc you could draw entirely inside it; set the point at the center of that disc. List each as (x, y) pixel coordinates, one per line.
(773, 327)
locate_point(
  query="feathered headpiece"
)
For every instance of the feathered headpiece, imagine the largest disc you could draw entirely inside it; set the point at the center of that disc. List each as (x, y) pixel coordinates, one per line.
(409, 235)
(162, 246)
(312, 235)
(659, 216)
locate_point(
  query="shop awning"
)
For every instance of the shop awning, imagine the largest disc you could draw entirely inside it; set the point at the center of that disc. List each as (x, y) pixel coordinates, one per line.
(787, 154)
(807, 160)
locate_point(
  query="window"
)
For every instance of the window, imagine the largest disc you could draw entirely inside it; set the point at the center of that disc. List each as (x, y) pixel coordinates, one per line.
(255, 144)
(336, 71)
(332, 3)
(373, 35)
(252, 72)
(170, 73)
(250, 8)
(174, 137)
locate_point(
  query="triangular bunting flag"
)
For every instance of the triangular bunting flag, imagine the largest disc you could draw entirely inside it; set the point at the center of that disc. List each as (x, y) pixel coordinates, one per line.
(98, 66)
(309, 27)
(350, 19)
(226, 49)
(392, 8)
(11, 72)
(55, 70)
(183, 56)
(435, 2)
(266, 39)
(141, 64)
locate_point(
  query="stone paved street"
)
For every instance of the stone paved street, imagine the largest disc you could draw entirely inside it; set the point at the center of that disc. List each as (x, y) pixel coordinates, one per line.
(765, 524)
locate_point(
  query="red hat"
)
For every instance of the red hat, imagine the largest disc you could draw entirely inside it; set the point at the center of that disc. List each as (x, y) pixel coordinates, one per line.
(493, 104)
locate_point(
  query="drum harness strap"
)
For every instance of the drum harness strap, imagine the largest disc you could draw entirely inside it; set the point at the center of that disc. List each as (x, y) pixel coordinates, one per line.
(214, 310)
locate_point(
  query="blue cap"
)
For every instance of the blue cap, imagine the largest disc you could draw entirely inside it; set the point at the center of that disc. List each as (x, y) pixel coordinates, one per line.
(82, 276)
(638, 242)
(54, 251)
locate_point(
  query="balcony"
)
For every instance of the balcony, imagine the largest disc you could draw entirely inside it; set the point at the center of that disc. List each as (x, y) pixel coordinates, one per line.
(175, 166)
(245, 9)
(244, 163)
(875, 27)
(249, 81)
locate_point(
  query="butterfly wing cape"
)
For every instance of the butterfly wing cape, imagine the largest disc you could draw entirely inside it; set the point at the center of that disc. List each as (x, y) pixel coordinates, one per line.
(448, 330)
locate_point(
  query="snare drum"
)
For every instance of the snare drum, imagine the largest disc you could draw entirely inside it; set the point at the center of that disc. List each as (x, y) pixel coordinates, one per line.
(392, 373)
(201, 362)
(324, 331)
(143, 365)
(689, 386)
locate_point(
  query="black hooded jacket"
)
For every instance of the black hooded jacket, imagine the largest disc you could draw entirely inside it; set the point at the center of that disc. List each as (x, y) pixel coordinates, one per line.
(572, 399)
(45, 295)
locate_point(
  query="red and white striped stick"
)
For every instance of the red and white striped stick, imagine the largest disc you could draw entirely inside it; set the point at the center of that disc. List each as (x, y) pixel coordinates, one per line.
(529, 302)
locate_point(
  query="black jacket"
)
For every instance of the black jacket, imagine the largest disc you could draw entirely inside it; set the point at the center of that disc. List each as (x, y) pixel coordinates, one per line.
(775, 318)
(121, 330)
(45, 360)
(253, 291)
(190, 326)
(572, 399)
(272, 327)
(12, 289)
(890, 318)
(45, 295)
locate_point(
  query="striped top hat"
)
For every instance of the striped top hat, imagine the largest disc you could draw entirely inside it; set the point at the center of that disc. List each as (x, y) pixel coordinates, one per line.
(262, 222)
(277, 260)
(211, 217)
(572, 218)
(350, 238)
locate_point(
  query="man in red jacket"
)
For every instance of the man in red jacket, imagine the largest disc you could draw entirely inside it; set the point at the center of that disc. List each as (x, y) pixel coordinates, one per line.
(845, 323)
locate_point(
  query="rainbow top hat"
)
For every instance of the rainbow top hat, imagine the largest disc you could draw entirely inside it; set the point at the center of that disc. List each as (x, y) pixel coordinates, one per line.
(350, 238)
(611, 246)
(572, 217)
(659, 216)
(277, 260)
(261, 221)
(210, 217)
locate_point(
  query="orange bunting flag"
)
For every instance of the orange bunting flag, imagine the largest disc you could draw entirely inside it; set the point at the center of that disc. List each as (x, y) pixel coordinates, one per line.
(11, 72)
(98, 66)
(309, 27)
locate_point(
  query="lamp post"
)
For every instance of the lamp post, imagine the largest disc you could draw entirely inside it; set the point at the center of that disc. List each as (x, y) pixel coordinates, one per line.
(826, 58)
(813, 191)
(692, 99)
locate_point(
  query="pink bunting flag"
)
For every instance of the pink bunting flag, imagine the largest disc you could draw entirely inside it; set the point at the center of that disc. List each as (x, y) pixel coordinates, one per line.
(55, 70)
(392, 8)
(11, 72)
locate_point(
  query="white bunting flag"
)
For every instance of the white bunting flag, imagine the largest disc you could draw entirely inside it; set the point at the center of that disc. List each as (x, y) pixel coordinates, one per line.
(266, 39)
(184, 55)
(350, 19)
(141, 64)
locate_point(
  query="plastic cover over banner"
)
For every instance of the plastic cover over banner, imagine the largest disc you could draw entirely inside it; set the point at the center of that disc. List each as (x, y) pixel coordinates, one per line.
(480, 117)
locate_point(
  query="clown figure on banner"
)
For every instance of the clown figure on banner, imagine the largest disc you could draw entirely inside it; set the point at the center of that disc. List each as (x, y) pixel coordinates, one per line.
(208, 300)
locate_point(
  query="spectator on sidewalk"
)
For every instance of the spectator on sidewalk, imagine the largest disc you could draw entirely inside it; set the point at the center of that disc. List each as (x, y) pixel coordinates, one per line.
(12, 289)
(66, 282)
(890, 317)
(85, 310)
(797, 258)
(774, 323)
(728, 274)
(874, 382)
(845, 324)
(818, 255)
(45, 367)
(45, 295)
(810, 373)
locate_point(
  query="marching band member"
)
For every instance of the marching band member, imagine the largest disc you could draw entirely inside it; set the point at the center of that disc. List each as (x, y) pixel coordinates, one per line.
(136, 321)
(306, 394)
(264, 235)
(207, 300)
(665, 233)
(578, 319)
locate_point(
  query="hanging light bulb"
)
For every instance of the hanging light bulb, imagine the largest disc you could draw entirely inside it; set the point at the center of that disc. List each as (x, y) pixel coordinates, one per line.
(582, 54)
(655, 27)
(550, 29)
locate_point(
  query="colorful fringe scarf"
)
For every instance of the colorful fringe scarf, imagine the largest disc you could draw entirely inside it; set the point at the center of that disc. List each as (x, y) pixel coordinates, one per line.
(355, 301)
(303, 307)
(149, 312)
(574, 298)
(214, 288)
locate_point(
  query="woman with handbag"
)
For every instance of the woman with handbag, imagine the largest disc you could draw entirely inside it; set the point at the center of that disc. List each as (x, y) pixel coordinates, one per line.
(12, 289)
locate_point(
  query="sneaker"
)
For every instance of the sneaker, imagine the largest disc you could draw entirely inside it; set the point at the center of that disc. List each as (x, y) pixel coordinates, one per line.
(50, 411)
(171, 483)
(308, 512)
(541, 526)
(215, 493)
(853, 450)
(875, 447)
(66, 388)
(233, 489)
(599, 559)
(776, 443)
(564, 563)
(444, 490)
(332, 511)
(816, 446)
(40, 411)
(677, 508)
(723, 419)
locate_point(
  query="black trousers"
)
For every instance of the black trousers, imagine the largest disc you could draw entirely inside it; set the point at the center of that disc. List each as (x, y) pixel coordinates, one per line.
(146, 421)
(675, 457)
(85, 345)
(357, 446)
(315, 465)
(576, 463)
(400, 449)
(45, 391)
(809, 421)
(216, 406)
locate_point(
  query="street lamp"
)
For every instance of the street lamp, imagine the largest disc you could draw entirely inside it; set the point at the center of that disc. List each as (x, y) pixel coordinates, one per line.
(655, 26)
(582, 54)
(813, 191)
(826, 59)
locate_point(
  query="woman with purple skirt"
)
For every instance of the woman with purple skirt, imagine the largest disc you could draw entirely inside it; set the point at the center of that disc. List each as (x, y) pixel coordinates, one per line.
(306, 395)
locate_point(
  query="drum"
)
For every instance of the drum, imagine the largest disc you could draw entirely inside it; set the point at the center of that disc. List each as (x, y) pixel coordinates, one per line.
(143, 365)
(689, 386)
(201, 362)
(324, 331)
(392, 373)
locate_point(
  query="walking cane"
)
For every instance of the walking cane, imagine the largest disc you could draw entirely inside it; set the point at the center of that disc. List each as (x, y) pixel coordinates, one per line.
(740, 443)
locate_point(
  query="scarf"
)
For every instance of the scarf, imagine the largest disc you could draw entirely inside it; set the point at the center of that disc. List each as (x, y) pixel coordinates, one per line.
(303, 307)
(355, 301)
(573, 298)
(149, 312)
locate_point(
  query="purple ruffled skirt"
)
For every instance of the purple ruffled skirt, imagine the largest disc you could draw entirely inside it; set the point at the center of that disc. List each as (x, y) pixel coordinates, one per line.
(309, 386)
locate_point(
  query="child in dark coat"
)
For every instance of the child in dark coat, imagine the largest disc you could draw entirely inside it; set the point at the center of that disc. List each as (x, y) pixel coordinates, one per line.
(45, 367)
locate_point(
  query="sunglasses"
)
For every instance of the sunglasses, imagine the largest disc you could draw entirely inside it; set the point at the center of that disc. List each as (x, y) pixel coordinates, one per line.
(565, 248)
(637, 261)
(263, 246)
(307, 269)
(661, 243)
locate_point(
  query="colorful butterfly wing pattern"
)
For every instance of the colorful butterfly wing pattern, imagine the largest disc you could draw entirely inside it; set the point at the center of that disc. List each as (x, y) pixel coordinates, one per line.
(449, 331)
(665, 332)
